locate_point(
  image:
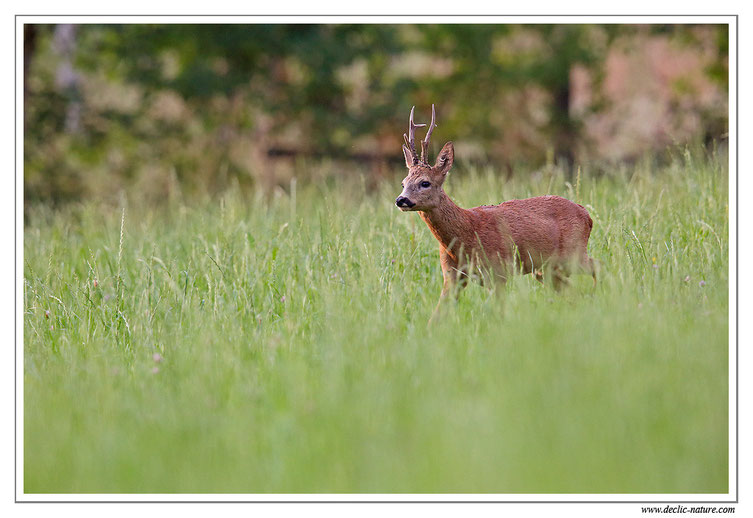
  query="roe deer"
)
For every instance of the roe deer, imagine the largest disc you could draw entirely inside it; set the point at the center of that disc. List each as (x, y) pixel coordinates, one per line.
(525, 235)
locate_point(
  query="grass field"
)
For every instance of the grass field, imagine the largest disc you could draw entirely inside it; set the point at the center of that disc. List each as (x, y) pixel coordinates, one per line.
(294, 353)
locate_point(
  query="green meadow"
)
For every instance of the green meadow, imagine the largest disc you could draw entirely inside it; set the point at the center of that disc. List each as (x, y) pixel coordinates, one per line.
(278, 343)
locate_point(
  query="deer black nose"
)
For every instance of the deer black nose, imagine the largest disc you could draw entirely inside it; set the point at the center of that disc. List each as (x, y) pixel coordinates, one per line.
(402, 201)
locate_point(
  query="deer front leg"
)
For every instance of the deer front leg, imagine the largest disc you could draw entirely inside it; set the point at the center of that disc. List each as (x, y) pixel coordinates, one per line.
(450, 274)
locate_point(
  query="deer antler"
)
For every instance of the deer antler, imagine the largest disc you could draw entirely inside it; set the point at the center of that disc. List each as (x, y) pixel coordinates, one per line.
(425, 142)
(410, 139)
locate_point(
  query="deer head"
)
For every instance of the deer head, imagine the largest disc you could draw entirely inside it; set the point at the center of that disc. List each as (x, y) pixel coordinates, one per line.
(422, 188)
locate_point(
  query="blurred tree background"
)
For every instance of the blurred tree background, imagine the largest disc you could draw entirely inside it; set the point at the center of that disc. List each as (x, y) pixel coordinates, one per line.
(169, 110)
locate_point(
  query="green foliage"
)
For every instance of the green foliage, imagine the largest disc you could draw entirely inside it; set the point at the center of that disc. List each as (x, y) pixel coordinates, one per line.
(288, 70)
(202, 106)
(294, 354)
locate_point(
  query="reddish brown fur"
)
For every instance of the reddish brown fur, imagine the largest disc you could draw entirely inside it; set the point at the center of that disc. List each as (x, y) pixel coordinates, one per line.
(531, 233)
(528, 235)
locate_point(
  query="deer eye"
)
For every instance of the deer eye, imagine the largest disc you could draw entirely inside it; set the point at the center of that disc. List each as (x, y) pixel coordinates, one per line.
(425, 184)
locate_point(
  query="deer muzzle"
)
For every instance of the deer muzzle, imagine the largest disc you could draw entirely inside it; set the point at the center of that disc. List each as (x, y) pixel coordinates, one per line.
(404, 203)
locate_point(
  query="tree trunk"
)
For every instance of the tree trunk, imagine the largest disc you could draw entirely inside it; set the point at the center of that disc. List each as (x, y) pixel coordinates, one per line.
(30, 45)
(564, 127)
(66, 77)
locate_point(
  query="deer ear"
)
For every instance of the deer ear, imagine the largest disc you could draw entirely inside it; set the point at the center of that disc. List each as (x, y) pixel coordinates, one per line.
(445, 159)
(408, 157)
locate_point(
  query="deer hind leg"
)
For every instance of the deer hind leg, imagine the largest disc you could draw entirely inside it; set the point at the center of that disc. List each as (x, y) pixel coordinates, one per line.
(589, 266)
(560, 276)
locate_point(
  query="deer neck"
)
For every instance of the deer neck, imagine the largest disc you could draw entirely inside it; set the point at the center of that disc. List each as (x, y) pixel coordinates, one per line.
(449, 223)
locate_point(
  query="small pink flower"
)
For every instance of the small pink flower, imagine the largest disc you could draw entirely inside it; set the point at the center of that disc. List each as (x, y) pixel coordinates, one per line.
(687, 278)
(155, 370)
(282, 299)
(702, 284)
(157, 357)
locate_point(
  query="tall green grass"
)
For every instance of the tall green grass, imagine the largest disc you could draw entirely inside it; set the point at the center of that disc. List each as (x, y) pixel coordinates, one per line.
(295, 357)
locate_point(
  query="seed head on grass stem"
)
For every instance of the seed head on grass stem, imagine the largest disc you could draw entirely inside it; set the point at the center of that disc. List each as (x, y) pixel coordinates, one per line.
(120, 248)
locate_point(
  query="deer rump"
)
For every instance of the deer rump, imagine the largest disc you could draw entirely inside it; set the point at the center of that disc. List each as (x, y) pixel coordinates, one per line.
(530, 234)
